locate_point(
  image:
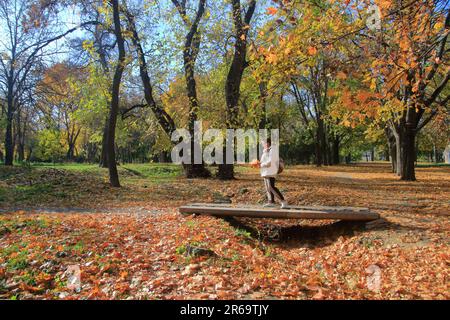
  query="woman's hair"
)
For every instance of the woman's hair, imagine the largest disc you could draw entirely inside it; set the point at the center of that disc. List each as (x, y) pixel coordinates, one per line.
(269, 141)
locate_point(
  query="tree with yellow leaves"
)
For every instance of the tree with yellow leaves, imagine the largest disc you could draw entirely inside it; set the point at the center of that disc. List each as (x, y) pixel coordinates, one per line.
(59, 97)
(406, 83)
(305, 51)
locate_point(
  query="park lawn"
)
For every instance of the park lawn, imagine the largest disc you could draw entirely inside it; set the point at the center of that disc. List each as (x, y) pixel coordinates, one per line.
(76, 185)
(86, 185)
(132, 243)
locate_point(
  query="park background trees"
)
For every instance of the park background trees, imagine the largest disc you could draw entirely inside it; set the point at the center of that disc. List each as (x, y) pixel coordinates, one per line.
(113, 85)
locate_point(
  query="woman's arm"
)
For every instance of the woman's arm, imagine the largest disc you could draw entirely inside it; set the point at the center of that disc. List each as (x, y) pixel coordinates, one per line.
(266, 160)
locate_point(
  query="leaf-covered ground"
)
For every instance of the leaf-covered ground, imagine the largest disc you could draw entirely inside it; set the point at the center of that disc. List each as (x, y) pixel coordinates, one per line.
(131, 243)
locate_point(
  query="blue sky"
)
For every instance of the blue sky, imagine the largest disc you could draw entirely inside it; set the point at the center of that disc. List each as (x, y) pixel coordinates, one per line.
(166, 33)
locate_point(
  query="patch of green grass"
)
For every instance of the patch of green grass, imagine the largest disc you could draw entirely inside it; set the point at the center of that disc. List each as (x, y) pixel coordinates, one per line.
(78, 247)
(17, 225)
(3, 194)
(8, 172)
(60, 283)
(34, 191)
(191, 224)
(242, 233)
(236, 256)
(81, 167)
(267, 251)
(38, 223)
(28, 278)
(181, 250)
(144, 170)
(154, 171)
(8, 250)
(18, 262)
(73, 184)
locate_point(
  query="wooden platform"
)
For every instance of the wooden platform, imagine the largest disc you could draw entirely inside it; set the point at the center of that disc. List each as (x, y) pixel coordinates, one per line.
(293, 212)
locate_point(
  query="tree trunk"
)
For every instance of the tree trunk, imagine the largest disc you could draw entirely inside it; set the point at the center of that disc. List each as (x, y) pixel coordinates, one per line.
(9, 147)
(72, 137)
(318, 151)
(263, 98)
(327, 151)
(435, 153)
(103, 156)
(335, 150)
(194, 170)
(91, 152)
(190, 53)
(320, 142)
(104, 63)
(393, 155)
(110, 147)
(234, 77)
(408, 149)
(30, 151)
(348, 159)
(225, 171)
(162, 158)
(20, 152)
(390, 137)
(397, 155)
(71, 152)
(20, 138)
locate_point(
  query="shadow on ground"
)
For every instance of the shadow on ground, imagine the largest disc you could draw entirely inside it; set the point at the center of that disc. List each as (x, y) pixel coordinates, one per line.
(311, 236)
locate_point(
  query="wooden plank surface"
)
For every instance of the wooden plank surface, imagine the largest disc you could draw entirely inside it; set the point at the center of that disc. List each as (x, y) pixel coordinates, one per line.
(252, 206)
(293, 212)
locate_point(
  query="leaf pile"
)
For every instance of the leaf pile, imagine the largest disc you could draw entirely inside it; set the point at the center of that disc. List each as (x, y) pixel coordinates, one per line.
(143, 249)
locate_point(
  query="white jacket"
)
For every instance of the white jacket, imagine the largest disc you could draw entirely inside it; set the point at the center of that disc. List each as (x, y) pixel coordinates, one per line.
(269, 164)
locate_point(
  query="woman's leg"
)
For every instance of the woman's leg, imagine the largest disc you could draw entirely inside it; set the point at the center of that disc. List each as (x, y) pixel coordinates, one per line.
(275, 190)
(270, 196)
